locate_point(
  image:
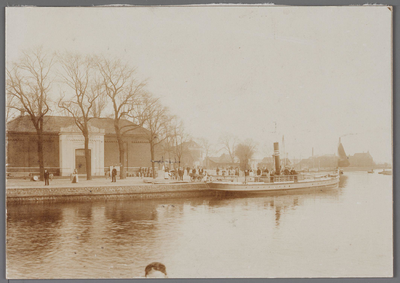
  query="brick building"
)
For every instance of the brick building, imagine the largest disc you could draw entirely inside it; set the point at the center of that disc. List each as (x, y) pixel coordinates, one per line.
(64, 146)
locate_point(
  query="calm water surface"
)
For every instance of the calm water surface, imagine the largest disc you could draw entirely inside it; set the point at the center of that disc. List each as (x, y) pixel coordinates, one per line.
(340, 232)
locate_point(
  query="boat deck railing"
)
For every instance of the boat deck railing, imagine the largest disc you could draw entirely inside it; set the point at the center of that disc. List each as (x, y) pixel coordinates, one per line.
(300, 177)
(292, 178)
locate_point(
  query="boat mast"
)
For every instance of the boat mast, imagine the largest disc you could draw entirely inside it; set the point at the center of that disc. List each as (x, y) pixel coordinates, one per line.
(284, 151)
(277, 161)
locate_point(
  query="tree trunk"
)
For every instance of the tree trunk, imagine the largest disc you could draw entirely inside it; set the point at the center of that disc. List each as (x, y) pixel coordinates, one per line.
(88, 158)
(121, 152)
(40, 153)
(152, 158)
(122, 161)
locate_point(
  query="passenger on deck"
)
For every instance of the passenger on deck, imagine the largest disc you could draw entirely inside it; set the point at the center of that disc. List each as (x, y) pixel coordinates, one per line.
(265, 171)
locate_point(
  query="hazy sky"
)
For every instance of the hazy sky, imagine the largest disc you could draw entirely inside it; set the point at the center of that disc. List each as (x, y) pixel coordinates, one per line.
(319, 73)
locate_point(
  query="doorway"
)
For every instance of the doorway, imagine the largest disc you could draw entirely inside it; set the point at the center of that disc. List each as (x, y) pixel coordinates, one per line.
(80, 161)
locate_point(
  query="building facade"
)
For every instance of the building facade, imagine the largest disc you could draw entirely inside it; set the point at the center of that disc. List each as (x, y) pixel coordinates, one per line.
(63, 146)
(223, 161)
(361, 160)
(193, 154)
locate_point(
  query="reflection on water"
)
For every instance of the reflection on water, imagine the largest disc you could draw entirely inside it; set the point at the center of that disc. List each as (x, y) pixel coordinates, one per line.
(342, 232)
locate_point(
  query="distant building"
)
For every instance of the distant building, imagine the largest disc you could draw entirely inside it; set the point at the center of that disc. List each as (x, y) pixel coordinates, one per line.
(254, 163)
(331, 161)
(361, 160)
(193, 154)
(323, 161)
(222, 161)
(269, 162)
(63, 146)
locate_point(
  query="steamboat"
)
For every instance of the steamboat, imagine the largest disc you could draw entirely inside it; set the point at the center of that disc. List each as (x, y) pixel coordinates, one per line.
(279, 182)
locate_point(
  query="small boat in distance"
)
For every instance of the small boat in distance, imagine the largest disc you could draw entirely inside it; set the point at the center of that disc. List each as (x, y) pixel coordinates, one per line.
(371, 171)
(385, 172)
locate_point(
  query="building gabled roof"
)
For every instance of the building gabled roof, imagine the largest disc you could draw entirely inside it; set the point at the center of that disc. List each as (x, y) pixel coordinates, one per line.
(267, 160)
(214, 159)
(53, 124)
(223, 159)
(191, 145)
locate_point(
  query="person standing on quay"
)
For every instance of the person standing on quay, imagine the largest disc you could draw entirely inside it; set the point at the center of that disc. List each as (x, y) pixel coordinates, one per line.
(114, 175)
(46, 178)
(237, 174)
(181, 172)
(75, 176)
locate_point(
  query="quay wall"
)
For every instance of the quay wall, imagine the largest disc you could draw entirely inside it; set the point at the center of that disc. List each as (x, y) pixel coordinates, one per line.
(108, 192)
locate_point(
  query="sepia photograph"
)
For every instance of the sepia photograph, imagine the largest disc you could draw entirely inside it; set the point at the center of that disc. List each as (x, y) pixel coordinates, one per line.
(199, 141)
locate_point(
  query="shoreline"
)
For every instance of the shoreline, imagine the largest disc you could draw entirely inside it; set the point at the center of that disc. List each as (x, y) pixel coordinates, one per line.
(84, 193)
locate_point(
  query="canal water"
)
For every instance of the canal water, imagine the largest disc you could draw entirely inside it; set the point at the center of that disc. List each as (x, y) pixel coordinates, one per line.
(339, 232)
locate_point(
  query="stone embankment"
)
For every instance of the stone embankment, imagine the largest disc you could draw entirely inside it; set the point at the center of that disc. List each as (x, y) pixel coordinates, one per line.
(85, 193)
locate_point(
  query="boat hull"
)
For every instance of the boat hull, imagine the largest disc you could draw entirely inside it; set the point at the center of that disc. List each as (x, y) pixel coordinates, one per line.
(278, 186)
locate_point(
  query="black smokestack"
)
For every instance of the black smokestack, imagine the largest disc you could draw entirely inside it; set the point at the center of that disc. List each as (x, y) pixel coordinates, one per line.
(277, 160)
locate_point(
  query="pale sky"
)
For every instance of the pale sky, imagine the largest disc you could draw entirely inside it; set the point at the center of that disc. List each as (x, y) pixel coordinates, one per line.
(318, 72)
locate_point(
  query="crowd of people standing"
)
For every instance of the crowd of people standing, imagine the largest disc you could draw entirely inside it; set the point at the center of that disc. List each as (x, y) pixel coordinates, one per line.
(199, 173)
(194, 173)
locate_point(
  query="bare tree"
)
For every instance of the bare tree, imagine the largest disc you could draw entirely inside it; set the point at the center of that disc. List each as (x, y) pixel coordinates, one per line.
(100, 104)
(156, 120)
(79, 76)
(28, 84)
(124, 91)
(245, 151)
(168, 145)
(179, 138)
(207, 147)
(229, 143)
(11, 112)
